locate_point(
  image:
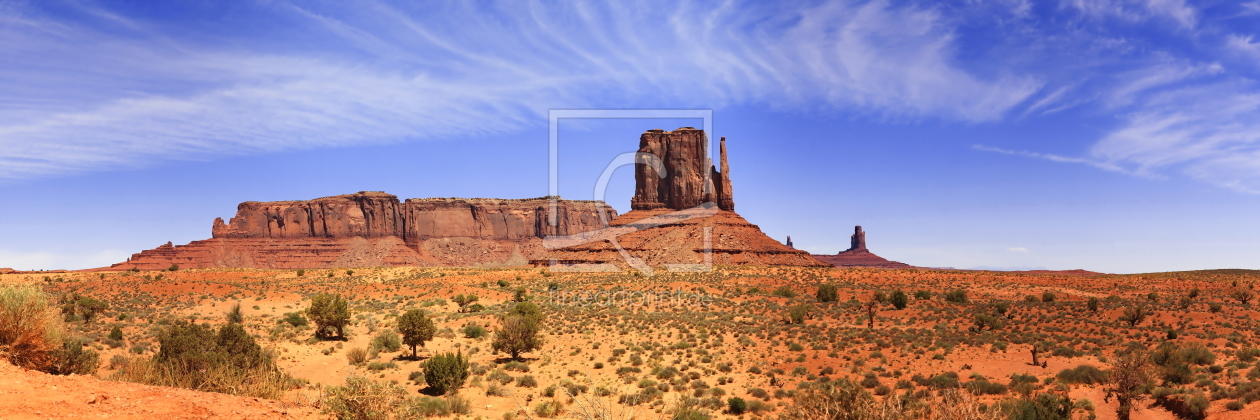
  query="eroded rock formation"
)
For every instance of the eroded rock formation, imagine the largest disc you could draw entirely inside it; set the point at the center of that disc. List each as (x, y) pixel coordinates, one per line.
(858, 256)
(689, 178)
(376, 229)
(679, 219)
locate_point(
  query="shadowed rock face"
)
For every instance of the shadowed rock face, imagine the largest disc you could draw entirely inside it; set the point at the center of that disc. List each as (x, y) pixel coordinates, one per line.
(376, 229)
(690, 178)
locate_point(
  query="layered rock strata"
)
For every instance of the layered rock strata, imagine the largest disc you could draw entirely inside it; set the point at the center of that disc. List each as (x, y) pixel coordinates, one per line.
(376, 229)
(858, 256)
(682, 215)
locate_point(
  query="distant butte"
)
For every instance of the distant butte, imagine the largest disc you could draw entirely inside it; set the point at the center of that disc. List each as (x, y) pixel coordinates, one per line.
(372, 229)
(675, 213)
(858, 256)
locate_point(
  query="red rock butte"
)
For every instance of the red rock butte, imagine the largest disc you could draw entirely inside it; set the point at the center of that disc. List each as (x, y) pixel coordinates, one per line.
(858, 256)
(682, 213)
(370, 229)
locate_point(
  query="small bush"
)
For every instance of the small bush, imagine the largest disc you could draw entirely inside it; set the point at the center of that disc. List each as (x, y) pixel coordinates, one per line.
(526, 381)
(548, 409)
(899, 299)
(363, 399)
(73, 358)
(387, 340)
(331, 313)
(473, 331)
(923, 295)
(446, 372)
(736, 406)
(1084, 375)
(1047, 296)
(826, 293)
(356, 355)
(956, 296)
(29, 328)
(295, 319)
(116, 333)
(783, 291)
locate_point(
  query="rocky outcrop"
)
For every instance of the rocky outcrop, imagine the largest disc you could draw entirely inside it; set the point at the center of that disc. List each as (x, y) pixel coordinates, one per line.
(376, 229)
(683, 219)
(857, 242)
(858, 256)
(687, 179)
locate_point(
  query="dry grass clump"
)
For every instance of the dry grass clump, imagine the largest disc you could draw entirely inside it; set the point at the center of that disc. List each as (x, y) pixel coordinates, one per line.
(30, 328)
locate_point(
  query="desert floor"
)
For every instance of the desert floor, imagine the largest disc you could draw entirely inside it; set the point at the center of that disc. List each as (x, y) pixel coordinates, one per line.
(614, 337)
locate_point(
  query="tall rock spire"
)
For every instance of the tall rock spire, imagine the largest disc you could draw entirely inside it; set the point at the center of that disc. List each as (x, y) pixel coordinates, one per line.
(725, 200)
(857, 242)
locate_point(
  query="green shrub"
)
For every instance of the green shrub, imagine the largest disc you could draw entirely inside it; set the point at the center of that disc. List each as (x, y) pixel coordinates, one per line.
(798, 313)
(473, 331)
(956, 296)
(783, 291)
(1092, 304)
(73, 358)
(446, 372)
(736, 406)
(196, 357)
(1084, 375)
(526, 381)
(386, 340)
(234, 314)
(899, 299)
(516, 366)
(1047, 296)
(331, 313)
(519, 331)
(116, 333)
(826, 293)
(295, 319)
(923, 295)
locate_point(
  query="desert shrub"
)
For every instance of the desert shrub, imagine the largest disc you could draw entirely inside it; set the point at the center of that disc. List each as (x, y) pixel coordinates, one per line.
(783, 291)
(73, 358)
(363, 399)
(516, 366)
(1247, 354)
(519, 331)
(77, 307)
(115, 333)
(1235, 405)
(899, 299)
(1084, 375)
(984, 387)
(295, 319)
(827, 293)
(356, 355)
(446, 372)
(29, 328)
(1092, 304)
(1042, 407)
(473, 331)
(526, 381)
(386, 340)
(1214, 307)
(1197, 354)
(1134, 315)
(986, 321)
(424, 406)
(548, 408)
(416, 329)
(956, 296)
(331, 313)
(234, 314)
(736, 406)
(1047, 296)
(798, 313)
(923, 295)
(197, 357)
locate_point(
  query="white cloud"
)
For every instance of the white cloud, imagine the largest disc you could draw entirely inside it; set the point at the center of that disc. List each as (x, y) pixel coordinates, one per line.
(88, 99)
(1139, 10)
(1210, 132)
(1017, 250)
(1056, 158)
(1243, 45)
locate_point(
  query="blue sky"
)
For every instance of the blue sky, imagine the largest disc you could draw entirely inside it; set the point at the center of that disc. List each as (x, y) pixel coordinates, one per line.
(1117, 136)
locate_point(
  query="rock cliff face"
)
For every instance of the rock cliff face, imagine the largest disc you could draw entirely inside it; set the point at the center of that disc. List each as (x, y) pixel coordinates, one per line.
(689, 178)
(858, 256)
(684, 218)
(376, 229)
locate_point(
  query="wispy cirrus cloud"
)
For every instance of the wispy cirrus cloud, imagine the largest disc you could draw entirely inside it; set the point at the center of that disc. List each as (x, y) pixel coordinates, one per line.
(98, 89)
